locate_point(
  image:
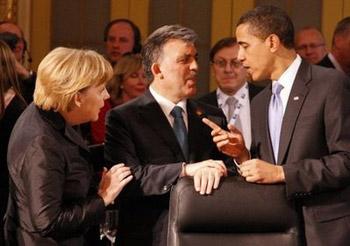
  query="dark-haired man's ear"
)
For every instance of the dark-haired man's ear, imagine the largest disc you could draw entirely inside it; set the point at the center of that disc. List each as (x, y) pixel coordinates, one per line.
(273, 42)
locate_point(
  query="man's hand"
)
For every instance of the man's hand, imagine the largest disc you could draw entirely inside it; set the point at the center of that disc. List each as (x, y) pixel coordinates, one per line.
(206, 179)
(230, 143)
(191, 169)
(262, 172)
(206, 175)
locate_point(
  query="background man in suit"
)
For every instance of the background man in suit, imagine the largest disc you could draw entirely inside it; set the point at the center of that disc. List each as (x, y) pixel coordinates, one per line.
(140, 134)
(339, 57)
(121, 36)
(312, 147)
(310, 44)
(231, 78)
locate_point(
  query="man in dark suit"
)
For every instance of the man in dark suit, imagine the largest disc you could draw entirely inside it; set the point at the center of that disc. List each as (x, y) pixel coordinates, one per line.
(140, 134)
(339, 57)
(309, 149)
(231, 78)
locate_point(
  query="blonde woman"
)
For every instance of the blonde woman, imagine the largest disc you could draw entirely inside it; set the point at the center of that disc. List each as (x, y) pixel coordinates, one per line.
(54, 201)
(128, 83)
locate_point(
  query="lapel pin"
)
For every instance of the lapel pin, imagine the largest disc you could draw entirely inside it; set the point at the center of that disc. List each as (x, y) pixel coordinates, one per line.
(296, 98)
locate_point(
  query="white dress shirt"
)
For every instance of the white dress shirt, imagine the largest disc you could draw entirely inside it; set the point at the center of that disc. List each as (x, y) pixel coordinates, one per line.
(335, 62)
(287, 80)
(167, 106)
(242, 95)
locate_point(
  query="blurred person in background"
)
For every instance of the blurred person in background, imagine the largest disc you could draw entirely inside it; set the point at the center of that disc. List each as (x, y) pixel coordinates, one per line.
(234, 93)
(310, 44)
(54, 199)
(127, 83)
(20, 48)
(12, 105)
(339, 57)
(121, 36)
(13, 36)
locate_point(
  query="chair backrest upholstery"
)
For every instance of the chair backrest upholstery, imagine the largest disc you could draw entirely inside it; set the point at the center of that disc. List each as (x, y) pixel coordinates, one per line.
(238, 213)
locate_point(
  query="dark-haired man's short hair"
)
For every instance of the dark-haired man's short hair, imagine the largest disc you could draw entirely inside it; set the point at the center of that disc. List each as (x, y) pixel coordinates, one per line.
(343, 27)
(266, 20)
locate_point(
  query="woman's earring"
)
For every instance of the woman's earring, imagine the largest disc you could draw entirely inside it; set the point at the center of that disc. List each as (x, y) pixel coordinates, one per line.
(161, 76)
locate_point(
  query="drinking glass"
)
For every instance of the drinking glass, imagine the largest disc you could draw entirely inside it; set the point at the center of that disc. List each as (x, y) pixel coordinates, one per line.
(108, 228)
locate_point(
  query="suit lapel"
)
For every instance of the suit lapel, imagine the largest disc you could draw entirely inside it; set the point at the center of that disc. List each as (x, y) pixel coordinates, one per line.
(214, 99)
(153, 115)
(265, 132)
(296, 99)
(194, 129)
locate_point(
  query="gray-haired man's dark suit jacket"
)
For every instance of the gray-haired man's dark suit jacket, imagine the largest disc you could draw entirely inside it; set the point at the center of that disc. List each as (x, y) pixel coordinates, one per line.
(139, 134)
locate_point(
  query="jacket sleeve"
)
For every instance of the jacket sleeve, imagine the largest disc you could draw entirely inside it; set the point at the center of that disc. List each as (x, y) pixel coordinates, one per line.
(120, 146)
(44, 180)
(326, 143)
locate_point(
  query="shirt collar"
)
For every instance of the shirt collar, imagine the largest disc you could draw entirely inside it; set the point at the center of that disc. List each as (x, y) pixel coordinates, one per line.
(167, 105)
(287, 78)
(222, 97)
(335, 62)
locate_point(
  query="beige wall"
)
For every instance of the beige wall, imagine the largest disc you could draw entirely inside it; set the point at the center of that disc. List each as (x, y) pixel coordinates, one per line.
(135, 10)
(40, 31)
(225, 14)
(34, 16)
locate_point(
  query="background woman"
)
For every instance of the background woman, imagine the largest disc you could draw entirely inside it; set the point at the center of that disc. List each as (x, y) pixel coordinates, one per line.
(12, 105)
(128, 83)
(54, 198)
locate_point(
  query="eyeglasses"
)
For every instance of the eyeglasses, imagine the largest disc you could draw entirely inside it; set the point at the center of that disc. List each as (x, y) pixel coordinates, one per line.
(223, 63)
(310, 46)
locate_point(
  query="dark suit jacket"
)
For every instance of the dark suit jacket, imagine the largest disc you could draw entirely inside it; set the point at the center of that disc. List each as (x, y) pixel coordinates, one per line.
(326, 62)
(211, 98)
(314, 150)
(139, 134)
(53, 197)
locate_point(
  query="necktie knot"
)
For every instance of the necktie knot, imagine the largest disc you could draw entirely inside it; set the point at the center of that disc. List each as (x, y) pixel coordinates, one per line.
(176, 112)
(276, 88)
(231, 105)
(231, 101)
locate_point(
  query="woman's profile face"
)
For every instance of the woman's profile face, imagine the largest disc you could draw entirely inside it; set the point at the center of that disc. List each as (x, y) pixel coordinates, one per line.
(92, 100)
(134, 85)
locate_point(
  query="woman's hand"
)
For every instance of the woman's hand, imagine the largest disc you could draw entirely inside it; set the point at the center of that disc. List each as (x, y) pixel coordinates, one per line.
(113, 181)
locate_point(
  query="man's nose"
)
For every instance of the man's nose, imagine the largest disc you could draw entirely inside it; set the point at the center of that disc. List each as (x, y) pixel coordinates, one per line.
(240, 55)
(194, 65)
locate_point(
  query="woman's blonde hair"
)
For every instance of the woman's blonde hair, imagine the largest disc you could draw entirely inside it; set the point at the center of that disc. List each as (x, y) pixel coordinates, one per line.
(64, 72)
(128, 64)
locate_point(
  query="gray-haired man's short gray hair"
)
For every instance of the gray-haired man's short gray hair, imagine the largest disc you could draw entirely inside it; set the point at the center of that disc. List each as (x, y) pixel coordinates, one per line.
(152, 49)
